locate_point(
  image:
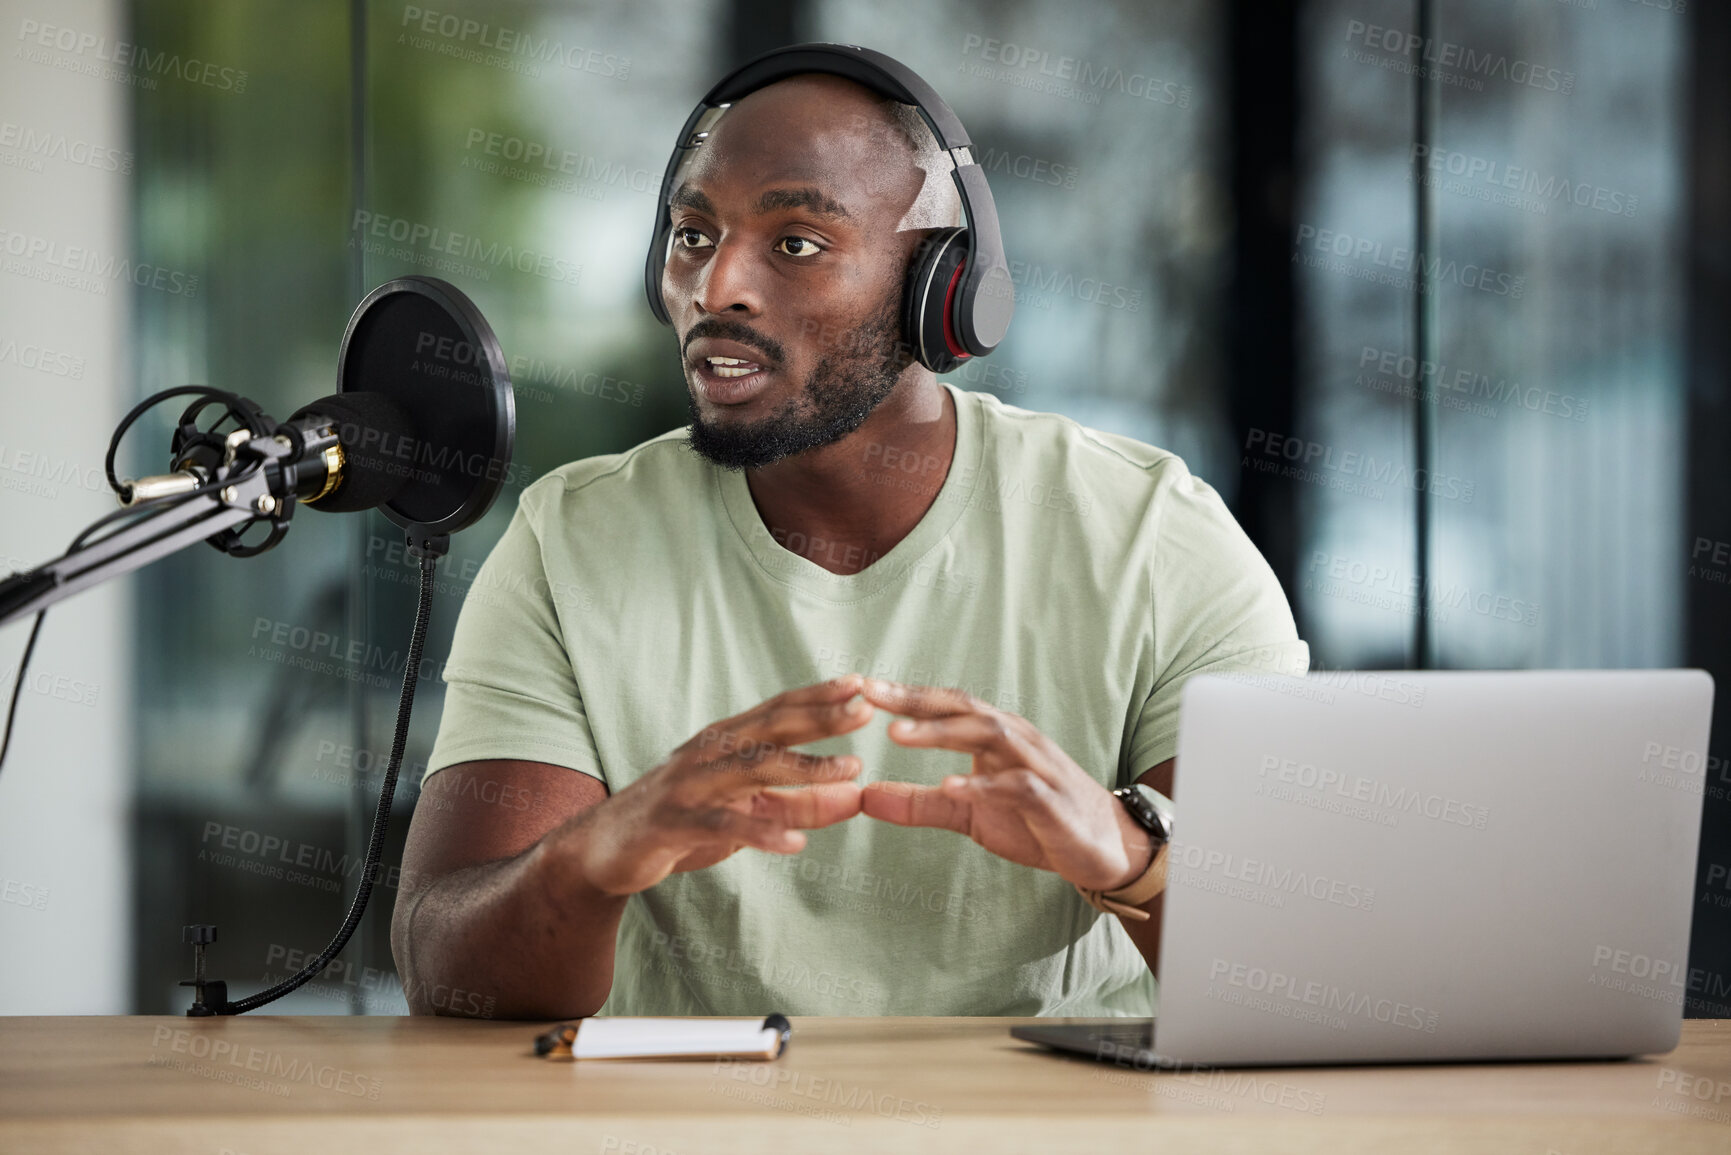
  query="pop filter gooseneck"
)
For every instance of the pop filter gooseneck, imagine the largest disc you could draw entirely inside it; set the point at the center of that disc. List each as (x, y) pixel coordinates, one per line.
(424, 388)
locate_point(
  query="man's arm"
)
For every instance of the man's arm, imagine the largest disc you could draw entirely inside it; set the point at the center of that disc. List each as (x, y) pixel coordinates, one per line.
(1146, 935)
(489, 905)
(519, 903)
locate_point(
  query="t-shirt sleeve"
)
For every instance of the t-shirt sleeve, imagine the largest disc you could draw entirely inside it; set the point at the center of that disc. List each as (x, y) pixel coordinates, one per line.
(509, 687)
(1218, 608)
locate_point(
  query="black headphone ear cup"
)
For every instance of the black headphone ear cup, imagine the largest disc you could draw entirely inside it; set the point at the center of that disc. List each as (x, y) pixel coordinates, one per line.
(926, 303)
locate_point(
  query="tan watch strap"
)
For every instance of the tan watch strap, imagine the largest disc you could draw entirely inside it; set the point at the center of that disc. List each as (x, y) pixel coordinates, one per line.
(1125, 901)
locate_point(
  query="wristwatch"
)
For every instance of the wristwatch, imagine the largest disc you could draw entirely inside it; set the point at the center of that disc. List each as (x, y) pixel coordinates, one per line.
(1152, 811)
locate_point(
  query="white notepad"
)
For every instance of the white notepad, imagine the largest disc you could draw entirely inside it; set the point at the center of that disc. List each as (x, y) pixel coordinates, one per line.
(668, 1038)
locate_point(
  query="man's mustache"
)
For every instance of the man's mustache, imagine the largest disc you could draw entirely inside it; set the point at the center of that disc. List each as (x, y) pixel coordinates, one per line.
(733, 331)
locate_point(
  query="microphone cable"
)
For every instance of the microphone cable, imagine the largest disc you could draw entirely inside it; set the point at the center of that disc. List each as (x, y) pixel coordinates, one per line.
(428, 553)
(236, 407)
(23, 666)
(140, 511)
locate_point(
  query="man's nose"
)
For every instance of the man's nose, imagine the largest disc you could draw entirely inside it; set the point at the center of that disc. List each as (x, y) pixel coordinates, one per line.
(729, 280)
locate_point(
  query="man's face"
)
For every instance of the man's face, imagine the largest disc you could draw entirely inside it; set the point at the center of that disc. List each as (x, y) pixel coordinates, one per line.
(785, 277)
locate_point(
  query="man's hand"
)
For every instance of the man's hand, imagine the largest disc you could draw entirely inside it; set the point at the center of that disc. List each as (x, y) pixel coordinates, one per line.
(1026, 800)
(714, 794)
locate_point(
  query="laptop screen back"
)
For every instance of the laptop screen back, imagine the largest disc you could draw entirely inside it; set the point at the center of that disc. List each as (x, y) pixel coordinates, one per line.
(1392, 866)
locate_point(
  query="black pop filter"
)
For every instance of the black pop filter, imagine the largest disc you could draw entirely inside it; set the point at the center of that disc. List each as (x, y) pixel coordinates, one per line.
(421, 345)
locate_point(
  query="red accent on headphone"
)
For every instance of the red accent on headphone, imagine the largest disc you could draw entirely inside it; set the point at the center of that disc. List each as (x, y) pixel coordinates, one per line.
(949, 295)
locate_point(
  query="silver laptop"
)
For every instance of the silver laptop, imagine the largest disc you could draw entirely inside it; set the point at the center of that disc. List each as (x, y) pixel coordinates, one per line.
(1400, 866)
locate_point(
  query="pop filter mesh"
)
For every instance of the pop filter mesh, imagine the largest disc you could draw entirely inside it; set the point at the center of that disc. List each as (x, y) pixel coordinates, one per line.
(443, 370)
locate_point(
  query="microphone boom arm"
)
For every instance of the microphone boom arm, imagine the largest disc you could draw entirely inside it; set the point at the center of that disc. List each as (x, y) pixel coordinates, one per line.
(185, 521)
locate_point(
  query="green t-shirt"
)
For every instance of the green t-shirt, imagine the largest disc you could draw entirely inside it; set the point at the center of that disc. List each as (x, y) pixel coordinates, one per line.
(1068, 575)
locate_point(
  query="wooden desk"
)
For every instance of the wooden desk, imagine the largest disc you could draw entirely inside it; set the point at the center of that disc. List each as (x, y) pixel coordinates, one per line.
(296, 1086)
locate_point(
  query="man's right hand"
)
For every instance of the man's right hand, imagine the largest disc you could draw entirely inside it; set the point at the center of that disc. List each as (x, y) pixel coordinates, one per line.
(714, 794)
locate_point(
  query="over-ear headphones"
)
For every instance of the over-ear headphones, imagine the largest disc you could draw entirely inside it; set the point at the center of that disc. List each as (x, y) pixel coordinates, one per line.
(959, 296)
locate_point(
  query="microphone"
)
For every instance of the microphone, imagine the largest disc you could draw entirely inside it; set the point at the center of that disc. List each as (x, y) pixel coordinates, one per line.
(342, 466)
(358, 440)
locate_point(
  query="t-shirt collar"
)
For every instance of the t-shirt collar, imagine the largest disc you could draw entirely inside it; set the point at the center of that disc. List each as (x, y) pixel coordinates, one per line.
(789, 568)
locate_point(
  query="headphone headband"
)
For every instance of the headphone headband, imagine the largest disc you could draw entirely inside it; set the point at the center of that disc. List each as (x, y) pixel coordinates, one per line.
(985, 295)
(882, 74)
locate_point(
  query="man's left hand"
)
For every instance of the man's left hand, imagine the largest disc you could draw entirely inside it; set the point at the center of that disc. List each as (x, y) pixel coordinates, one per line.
(1026, 800)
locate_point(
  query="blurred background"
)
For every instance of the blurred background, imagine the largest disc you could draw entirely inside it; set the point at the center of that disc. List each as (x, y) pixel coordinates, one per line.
(1434, 294)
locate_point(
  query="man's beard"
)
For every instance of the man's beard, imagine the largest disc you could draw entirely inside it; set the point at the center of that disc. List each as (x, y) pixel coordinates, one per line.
(848, 383)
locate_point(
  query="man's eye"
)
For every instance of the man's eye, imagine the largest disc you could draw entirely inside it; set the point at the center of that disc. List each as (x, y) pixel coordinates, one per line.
(689, 238)
(800, 247)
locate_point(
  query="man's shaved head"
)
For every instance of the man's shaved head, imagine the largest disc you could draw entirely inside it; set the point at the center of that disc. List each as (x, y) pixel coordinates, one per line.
(938, 205)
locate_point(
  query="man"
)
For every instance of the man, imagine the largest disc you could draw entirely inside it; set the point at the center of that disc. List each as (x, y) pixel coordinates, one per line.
(615, 821)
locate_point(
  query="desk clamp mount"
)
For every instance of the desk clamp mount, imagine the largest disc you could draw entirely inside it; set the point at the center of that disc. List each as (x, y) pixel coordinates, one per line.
(209, 996)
